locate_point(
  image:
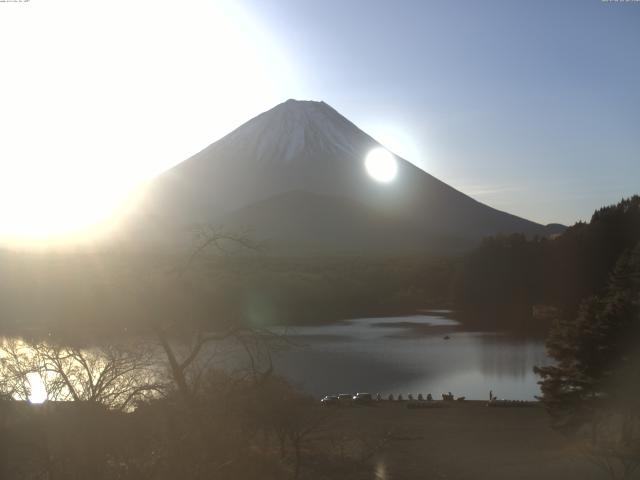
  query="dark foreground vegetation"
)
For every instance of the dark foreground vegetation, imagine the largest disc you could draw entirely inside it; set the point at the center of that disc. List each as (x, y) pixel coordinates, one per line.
(260, 431)
(236, 429)
(166, 410)
(160, 368)
(153, 371)
(593, 390)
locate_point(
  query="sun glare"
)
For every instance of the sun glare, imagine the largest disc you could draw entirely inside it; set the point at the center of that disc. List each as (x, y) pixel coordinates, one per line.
(36, 386)
(381, 165)
(88, 114)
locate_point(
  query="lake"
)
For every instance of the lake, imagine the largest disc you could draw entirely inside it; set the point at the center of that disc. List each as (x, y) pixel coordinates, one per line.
(410, 354)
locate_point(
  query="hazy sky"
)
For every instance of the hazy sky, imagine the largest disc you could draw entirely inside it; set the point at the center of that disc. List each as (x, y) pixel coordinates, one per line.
(529, 106)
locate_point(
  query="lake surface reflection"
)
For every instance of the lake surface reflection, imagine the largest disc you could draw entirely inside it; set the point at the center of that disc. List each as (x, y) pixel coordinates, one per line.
(410, 354)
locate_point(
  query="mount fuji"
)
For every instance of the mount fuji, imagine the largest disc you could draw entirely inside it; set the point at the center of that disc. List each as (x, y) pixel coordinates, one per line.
(294, 176)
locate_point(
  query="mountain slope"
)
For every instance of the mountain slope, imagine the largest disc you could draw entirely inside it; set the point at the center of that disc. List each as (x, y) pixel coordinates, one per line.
(309, 223)
(309, 148)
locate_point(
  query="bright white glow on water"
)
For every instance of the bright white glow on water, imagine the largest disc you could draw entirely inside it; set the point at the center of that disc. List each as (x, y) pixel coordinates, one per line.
(36, 386)
(381, 165)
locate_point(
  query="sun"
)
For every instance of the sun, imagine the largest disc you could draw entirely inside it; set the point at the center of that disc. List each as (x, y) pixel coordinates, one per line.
(381, 165)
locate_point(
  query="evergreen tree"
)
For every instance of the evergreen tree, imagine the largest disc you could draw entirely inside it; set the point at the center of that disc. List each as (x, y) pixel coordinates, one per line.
(592, 392)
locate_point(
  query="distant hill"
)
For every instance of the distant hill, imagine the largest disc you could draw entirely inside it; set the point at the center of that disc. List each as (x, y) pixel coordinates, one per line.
(295, 177)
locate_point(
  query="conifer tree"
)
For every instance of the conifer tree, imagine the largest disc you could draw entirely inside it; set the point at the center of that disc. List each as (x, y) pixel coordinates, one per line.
(592, 391)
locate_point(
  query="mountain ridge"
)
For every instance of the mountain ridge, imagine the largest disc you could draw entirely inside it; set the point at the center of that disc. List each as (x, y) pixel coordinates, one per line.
(309, 146)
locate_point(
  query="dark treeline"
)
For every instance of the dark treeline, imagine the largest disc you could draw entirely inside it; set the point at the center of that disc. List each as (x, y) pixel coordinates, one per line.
(514, 281)
(294, 291)
(507, 282)
(109, 293)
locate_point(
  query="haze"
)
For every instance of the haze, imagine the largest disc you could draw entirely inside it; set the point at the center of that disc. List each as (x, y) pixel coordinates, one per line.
(317, 240)
(530, 108)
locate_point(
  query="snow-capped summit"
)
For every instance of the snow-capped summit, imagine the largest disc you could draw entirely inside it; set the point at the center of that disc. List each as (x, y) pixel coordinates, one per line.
(292, 128)
(295, 175)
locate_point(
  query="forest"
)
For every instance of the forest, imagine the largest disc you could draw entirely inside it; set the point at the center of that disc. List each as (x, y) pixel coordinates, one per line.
(507, 282)
(515, 282)
(114, 292)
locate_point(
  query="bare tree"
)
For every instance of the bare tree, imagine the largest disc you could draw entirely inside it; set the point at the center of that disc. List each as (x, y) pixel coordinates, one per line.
(111, 375)
(16, 364)
(115, 376)
(192, 352)
(186, 369)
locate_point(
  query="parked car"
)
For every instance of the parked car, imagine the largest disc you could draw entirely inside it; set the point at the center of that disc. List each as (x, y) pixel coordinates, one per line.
(362, 398)
(330, 401)
(345, 398)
